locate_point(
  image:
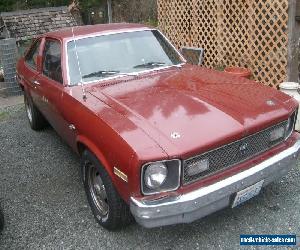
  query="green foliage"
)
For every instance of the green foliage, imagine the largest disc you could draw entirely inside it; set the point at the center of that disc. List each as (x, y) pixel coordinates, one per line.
(86, 4)
(220, 67)
(11, 5)
(151, 22)
(8, 5)
(3, 115)
(49, 3)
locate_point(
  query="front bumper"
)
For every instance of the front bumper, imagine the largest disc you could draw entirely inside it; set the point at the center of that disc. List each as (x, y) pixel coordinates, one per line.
(199, 203)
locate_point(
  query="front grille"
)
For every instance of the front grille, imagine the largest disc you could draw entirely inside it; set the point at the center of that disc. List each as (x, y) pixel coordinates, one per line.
(233, 153)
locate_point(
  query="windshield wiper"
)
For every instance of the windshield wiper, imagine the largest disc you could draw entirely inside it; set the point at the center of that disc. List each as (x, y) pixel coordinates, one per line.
(101, 73)
(149, 65)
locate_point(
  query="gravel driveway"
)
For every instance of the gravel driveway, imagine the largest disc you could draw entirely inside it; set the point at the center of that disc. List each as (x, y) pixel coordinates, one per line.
(46, 208)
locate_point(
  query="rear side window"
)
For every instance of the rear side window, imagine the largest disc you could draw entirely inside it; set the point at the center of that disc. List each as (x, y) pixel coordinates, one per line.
(31, 57)
(52, 60)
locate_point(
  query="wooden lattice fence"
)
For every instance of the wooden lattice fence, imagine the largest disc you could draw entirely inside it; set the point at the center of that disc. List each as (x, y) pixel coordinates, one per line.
(247, 33)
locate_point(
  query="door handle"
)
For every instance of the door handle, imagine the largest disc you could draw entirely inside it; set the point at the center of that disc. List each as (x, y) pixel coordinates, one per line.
(36, 82)
(72, 127)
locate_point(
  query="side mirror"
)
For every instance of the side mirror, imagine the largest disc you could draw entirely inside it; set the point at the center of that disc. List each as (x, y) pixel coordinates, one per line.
(193, 55)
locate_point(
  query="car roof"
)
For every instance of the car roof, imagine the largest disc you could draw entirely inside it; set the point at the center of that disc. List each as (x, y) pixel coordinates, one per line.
(66, 33)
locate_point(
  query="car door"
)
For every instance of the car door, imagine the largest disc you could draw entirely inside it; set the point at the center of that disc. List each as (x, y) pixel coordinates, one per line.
(52, 90)
(31, 69)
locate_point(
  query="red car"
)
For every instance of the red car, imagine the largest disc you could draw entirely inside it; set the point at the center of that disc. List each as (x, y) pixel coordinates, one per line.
(161, 141)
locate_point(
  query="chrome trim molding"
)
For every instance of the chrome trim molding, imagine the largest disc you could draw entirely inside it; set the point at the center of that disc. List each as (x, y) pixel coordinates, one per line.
(282, 123)
(120, 174)
(294, 116)
(191, 206)
(158, 192)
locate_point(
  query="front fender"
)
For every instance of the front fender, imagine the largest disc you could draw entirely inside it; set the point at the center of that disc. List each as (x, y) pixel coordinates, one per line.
(121, 186)
(96, 151)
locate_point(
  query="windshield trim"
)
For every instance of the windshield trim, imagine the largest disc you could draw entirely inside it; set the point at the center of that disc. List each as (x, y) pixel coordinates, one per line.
(119, 76)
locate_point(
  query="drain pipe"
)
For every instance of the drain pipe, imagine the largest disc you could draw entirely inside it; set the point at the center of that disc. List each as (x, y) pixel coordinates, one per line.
(292, 89)
(109, 11)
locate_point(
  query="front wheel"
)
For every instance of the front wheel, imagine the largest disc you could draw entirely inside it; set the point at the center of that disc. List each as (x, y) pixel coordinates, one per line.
(109, 209)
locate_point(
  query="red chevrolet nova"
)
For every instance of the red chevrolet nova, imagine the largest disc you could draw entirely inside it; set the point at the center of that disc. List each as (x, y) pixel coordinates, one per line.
(161, 141)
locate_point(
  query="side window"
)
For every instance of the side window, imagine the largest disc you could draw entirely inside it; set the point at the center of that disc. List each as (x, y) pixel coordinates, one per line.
(52, 61)
(31, 57)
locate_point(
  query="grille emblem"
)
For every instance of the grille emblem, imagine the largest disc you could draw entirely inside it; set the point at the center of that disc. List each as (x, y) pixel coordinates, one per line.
(244, 148)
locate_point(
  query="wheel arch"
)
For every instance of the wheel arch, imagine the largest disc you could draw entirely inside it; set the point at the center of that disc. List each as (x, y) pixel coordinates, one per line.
(84, 143)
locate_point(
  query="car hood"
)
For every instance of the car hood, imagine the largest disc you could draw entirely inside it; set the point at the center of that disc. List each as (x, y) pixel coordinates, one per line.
(194, 109)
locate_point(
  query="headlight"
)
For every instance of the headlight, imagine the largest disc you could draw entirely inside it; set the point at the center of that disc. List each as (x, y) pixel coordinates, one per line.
(162, 176)
(155, 175)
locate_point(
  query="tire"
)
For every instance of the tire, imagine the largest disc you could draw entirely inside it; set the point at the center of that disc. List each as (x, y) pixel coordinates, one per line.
(35, 118)
(1, 220)
(109, 209)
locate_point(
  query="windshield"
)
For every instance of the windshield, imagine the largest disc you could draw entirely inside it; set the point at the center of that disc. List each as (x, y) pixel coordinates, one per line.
(117, 54)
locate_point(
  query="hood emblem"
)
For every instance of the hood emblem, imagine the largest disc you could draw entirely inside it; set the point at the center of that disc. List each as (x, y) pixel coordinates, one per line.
(270, 103)
(244, 148)
(175, 135)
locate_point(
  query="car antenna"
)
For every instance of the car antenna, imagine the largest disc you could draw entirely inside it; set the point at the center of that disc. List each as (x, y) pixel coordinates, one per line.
(79, 68)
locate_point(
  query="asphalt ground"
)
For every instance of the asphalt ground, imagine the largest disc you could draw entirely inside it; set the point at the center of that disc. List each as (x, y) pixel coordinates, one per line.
(45, 205)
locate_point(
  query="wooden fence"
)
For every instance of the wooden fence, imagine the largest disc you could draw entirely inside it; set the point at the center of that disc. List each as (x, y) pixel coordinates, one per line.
(248, 33)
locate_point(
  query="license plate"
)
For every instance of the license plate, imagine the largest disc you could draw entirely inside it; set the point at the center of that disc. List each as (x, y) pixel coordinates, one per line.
(247, 193)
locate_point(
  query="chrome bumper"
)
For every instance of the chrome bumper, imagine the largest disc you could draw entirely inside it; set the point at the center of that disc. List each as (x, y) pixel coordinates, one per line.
(199, 203)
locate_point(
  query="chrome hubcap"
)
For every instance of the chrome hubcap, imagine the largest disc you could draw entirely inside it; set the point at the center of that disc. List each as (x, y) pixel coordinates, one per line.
(98, 191)
(28, 110)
